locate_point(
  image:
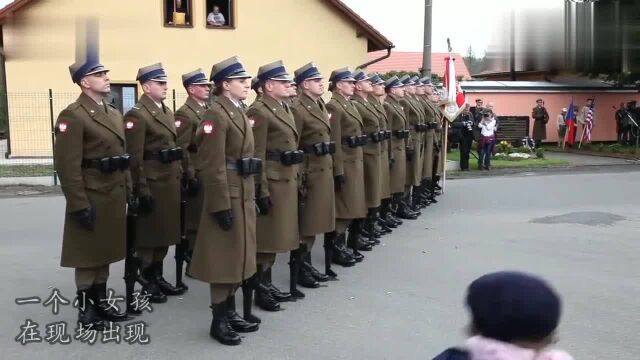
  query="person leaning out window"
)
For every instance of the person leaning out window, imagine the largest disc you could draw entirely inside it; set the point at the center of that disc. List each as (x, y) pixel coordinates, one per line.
(215, 17)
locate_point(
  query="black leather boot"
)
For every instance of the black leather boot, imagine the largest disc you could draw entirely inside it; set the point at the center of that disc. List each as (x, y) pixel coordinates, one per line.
(295, 263)
(354, 243)
(88, 316)
(405, 213)
(317, 275)
(151, 287)
(248, 287)
(220, 328)
(264, 299)
(329, 243)
(164, 285)
(340, 254)
(237, 323)
(305, 279)
(277, 294)
(105, 310)
(431, 192)
(379, 223)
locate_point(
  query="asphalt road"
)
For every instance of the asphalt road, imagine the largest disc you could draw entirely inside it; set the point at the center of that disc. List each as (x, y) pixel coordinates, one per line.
(404, 302)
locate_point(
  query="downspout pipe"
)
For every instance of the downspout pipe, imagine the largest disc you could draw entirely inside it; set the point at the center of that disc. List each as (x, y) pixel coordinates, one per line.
(376, 59)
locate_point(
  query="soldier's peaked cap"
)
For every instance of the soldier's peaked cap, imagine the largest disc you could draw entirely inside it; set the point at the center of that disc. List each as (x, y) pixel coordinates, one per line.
(376, 79)
(360, 75)
(273, 71)
(87, 52)
(230, 68)
(393, 82)
(406, 80)
(153, 72)
(196, 77)
(416, 81)
(342, 74)
(307, 72)
(426, 81)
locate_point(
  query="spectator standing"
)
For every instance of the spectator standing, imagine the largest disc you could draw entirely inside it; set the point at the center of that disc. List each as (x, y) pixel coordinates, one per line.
(541, 118)
(561, 126)
(487, 139)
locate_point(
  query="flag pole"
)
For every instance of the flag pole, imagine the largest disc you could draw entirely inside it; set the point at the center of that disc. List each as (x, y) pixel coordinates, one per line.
(445, 132)
(582, 136)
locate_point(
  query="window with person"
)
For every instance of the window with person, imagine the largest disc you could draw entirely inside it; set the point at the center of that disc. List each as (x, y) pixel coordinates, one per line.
(220, 14)
(178, 13)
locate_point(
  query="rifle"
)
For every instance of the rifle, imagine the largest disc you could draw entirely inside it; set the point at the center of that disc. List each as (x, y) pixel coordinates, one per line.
(183, 245)
(132, 263)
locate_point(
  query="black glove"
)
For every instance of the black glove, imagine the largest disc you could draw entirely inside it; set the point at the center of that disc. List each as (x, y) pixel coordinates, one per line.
(147, 203)
(338, 181)
(224, 218)
(86, 218)
(193, 186)
(410, 153)
(132, 203)
(264, 204)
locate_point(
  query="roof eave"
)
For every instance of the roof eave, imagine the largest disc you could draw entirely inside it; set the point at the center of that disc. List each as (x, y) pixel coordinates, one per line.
(376, 41)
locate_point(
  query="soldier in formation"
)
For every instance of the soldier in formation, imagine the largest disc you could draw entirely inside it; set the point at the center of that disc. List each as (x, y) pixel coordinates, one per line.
(254, 181)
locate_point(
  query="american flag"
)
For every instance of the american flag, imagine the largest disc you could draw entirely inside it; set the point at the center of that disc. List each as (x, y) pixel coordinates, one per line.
(588, 122)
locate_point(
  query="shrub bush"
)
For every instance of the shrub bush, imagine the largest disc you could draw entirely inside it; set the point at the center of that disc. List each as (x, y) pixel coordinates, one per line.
(540, 153)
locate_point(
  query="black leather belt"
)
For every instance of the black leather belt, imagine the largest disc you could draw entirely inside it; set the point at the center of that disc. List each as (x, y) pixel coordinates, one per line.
(245, 166)
(355, 141)
(108, 164)
(377, 136)
(287, 158)
(165, 156)
(321, 148)
(401, 134)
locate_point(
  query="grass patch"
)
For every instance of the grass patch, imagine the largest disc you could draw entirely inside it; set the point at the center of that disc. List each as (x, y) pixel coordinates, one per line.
(511, 163)
(25, 170)
(604, 148)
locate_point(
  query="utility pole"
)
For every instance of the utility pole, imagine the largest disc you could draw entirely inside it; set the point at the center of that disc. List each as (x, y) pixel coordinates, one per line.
(426, 54)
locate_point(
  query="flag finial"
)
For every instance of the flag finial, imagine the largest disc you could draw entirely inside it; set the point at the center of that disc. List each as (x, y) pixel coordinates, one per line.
(449, 44)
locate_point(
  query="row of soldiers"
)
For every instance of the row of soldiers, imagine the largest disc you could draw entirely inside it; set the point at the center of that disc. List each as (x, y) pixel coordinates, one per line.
(254, 181)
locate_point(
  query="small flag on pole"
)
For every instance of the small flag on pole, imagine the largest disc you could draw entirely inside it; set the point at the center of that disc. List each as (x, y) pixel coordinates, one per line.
(570, 120)
(588, 122)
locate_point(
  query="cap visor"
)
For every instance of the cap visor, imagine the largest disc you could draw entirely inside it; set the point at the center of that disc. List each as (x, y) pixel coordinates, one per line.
(282, 78)
(240, 75)
(97, 71)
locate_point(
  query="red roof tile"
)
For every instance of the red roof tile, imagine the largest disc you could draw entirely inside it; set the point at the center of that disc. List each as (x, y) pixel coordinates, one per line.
(412, 61)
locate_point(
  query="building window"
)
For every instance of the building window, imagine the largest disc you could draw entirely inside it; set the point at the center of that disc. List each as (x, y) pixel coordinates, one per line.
(123, 96)
(220, 14)
(178, 13)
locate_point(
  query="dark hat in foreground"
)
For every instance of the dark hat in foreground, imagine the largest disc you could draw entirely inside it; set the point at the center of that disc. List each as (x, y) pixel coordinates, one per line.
(510, 306)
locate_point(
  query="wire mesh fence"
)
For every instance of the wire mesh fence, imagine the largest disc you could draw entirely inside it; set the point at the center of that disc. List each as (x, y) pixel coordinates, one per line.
(27, 145)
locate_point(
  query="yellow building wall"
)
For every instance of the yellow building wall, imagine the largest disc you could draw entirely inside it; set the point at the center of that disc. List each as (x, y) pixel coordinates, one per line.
(40, 45)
